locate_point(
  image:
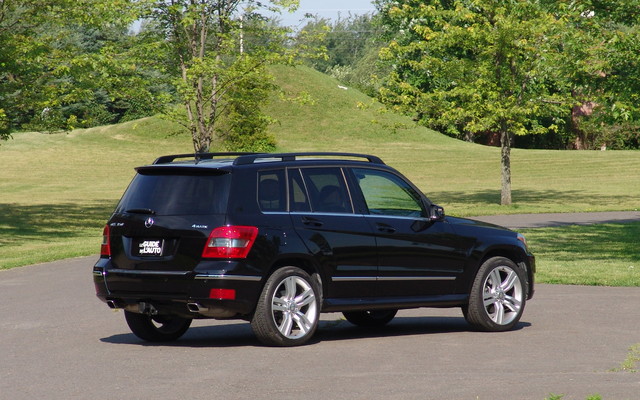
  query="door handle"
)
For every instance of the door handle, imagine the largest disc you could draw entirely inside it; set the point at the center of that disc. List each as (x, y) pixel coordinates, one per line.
(311, 221)
(386, 228)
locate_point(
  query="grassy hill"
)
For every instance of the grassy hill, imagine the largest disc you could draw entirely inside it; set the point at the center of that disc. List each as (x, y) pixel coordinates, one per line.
(56, 191)
(463, 177)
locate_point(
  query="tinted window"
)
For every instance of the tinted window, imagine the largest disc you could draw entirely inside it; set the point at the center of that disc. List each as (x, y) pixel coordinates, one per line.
(388, 194)
(327, 190)
(298, 197)
(271, 191)
(177, 194)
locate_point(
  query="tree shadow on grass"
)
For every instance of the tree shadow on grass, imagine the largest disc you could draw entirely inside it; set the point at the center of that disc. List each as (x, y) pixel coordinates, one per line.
(51, 221)
(617, 241)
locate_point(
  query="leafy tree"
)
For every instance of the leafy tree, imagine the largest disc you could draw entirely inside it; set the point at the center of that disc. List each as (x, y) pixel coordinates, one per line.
(594, 70)
(352, 45)
(65, 64)
(220, 49)
(17, 22)
(313, 34)
(474, 67)
(601, 69)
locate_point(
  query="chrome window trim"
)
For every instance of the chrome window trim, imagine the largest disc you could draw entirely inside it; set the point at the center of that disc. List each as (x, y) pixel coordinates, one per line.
(350, 214)
(331, 214)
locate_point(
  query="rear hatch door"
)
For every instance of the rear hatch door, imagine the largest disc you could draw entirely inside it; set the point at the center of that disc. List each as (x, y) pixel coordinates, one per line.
(164, 218)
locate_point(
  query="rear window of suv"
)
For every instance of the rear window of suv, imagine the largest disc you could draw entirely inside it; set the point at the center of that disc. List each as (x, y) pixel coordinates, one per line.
(177, 193)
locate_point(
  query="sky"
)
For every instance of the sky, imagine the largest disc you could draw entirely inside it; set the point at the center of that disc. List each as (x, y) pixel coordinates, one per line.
(327, 9)
(330, 9)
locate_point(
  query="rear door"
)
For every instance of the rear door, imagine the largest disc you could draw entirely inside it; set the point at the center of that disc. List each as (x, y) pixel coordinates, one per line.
(322, 213)
(417, 256)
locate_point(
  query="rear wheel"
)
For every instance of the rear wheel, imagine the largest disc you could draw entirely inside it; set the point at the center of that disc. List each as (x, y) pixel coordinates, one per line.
(288, 309)
(157, 328)
(497, 296)
(370, 318)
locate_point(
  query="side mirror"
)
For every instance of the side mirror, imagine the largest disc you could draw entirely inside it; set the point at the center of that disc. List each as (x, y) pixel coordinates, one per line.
(436, 213)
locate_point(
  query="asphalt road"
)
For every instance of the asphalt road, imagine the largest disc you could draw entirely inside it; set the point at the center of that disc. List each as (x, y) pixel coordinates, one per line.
(57, 341)
(517, 221)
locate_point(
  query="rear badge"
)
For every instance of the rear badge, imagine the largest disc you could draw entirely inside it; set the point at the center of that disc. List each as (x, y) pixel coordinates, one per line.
(149, 222)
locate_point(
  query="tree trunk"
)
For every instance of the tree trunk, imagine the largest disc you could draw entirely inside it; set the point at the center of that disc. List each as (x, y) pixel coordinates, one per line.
(581, 140)
(505, 143)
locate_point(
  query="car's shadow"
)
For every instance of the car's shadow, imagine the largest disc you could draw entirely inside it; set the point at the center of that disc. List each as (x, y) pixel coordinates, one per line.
(239, 334)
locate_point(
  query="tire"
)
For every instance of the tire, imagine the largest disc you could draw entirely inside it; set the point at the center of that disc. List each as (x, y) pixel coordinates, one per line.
(288, 309)
(157, 328)
(497, 297)
(370, 318)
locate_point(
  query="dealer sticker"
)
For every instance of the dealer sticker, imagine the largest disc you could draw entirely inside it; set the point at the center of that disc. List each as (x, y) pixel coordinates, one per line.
(150, 248)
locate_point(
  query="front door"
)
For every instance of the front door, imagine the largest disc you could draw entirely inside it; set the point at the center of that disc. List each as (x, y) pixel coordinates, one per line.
(416, 256)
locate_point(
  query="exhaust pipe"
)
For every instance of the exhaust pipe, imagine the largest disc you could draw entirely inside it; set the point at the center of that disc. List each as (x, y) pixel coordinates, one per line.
(197, 308)
(113, 304)
(211, 312)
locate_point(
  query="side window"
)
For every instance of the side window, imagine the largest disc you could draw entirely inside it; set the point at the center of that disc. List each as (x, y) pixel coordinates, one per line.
(298, 198)
(271, 191)
(388, 194)
(327, 190)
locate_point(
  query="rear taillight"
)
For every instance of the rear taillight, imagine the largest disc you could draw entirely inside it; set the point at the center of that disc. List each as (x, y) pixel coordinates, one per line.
(230, 242)
(105, 248)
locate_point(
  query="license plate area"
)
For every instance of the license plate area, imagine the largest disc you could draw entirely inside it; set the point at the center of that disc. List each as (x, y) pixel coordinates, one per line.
(147, 247)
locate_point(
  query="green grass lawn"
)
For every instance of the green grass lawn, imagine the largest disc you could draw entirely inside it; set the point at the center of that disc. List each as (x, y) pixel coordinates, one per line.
(57, 191)
(603, 255)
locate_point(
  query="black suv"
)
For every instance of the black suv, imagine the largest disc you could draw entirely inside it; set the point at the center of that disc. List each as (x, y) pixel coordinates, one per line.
(276, 239)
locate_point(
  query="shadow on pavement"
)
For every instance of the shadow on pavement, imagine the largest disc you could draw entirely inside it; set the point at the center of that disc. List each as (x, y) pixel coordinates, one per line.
(240, 334)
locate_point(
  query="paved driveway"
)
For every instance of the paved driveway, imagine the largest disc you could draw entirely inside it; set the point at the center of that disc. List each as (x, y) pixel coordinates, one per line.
(57, 341)
(516, 221)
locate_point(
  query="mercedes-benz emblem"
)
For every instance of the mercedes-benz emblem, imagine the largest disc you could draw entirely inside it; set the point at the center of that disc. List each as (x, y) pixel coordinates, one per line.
(149, 222)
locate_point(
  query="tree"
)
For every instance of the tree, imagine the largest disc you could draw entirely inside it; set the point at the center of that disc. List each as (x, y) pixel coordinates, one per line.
(66, 64)
(220, 49)
(352, 45)
(469, 67)
(17, 22)
(601, 70)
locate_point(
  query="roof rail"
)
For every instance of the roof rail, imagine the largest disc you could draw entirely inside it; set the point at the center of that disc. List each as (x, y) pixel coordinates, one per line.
(197, 156)
(252, 158)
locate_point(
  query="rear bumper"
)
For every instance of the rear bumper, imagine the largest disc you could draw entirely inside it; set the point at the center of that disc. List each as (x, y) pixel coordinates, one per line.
(215, 289)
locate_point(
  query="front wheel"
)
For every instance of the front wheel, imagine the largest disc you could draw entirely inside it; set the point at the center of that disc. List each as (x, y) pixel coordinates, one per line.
(497, 296)
(157, 328)
(288, 309)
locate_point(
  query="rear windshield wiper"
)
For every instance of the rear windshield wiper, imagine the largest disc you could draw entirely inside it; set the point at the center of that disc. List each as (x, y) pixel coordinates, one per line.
(140, 211)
